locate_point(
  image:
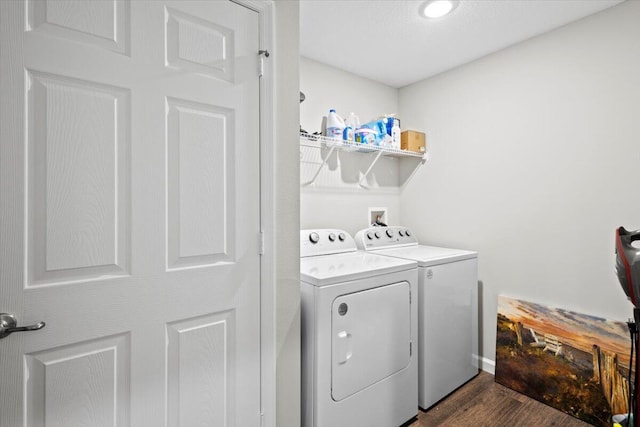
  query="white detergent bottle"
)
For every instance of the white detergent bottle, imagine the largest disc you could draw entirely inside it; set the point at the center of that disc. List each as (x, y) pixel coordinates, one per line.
(395, 134)
(335, 125)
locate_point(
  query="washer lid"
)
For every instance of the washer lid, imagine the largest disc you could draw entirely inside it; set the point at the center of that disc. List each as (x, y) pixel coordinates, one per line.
(428, 255)
(331, 269)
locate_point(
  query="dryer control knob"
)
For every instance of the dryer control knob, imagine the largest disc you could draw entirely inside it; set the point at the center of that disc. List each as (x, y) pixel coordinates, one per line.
(332, 237)
(389, 232)
(341, 237)
(407, 232)
(377, 234)
(369, 235)
(314, 237)
(401, 233)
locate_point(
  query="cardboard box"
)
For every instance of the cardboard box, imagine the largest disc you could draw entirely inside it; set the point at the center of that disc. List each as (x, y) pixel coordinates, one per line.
(413, 141)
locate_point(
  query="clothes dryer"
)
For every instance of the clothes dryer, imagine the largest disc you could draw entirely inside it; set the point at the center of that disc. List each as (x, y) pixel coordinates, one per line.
(359, 333)
(447, 308)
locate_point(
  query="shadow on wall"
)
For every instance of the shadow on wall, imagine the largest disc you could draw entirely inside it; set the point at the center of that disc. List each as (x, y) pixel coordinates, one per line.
(329, 168)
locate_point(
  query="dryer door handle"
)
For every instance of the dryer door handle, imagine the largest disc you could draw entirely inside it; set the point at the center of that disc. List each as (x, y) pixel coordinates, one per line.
(344, 347)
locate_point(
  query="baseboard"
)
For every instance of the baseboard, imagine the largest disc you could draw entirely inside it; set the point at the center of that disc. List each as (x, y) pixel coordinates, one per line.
(485, 364)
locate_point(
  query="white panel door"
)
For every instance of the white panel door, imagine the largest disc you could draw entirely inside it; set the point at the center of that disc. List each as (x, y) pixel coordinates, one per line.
(129, 222)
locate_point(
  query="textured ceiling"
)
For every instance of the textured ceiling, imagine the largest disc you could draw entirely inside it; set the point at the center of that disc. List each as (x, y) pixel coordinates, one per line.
(387, 41)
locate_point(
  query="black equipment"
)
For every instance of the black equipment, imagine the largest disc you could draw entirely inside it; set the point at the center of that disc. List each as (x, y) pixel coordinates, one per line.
(628, 271)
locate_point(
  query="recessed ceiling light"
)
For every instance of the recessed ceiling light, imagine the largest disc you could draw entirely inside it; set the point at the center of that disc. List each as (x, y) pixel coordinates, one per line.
(437, 8)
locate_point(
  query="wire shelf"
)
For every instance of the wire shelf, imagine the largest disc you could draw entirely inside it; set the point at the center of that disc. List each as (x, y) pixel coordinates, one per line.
(326, 142)
(333, 144)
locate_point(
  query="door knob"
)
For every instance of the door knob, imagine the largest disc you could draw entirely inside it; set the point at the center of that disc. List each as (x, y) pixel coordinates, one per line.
(8, 325)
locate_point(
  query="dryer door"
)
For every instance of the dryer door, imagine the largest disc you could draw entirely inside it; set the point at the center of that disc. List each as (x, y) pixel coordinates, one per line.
(371, 337)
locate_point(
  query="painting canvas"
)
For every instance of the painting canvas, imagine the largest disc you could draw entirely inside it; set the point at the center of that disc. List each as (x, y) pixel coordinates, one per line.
(573, 362)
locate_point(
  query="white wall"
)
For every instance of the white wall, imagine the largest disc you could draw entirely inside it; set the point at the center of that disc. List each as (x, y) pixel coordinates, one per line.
(327, 87)
(286, 213)
(535, 153)
(335, 199)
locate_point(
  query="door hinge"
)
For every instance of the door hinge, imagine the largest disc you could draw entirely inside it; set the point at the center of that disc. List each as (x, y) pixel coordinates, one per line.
(263, 54)
(261, 243)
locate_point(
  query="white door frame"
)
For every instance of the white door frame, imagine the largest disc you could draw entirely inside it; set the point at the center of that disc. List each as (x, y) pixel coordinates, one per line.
(267, 263)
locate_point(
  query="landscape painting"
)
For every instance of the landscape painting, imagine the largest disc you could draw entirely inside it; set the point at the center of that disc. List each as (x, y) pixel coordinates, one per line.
(573, 362)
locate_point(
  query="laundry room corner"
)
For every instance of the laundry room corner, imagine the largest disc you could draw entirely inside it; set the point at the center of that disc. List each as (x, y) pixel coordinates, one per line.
(531, 150)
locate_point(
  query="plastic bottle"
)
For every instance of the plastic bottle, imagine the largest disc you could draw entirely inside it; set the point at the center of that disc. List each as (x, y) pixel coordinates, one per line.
(388, 122)
(353, 121)
(347, 134)
(335, 125)
(395, 134)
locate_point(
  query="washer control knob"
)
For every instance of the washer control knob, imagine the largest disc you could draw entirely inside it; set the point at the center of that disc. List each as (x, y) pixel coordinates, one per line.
(407, 232)
(369, 235)
(377, 234)
(332, 237)
(314, 237)
(389, 232)
(401, 233)
(341, 237)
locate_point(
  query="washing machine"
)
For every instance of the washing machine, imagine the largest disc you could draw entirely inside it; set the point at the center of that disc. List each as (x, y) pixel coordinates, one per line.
(359, 334)
(447, 308)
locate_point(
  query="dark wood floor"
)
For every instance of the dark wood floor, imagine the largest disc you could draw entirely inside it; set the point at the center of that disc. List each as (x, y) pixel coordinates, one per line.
(481, 402)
